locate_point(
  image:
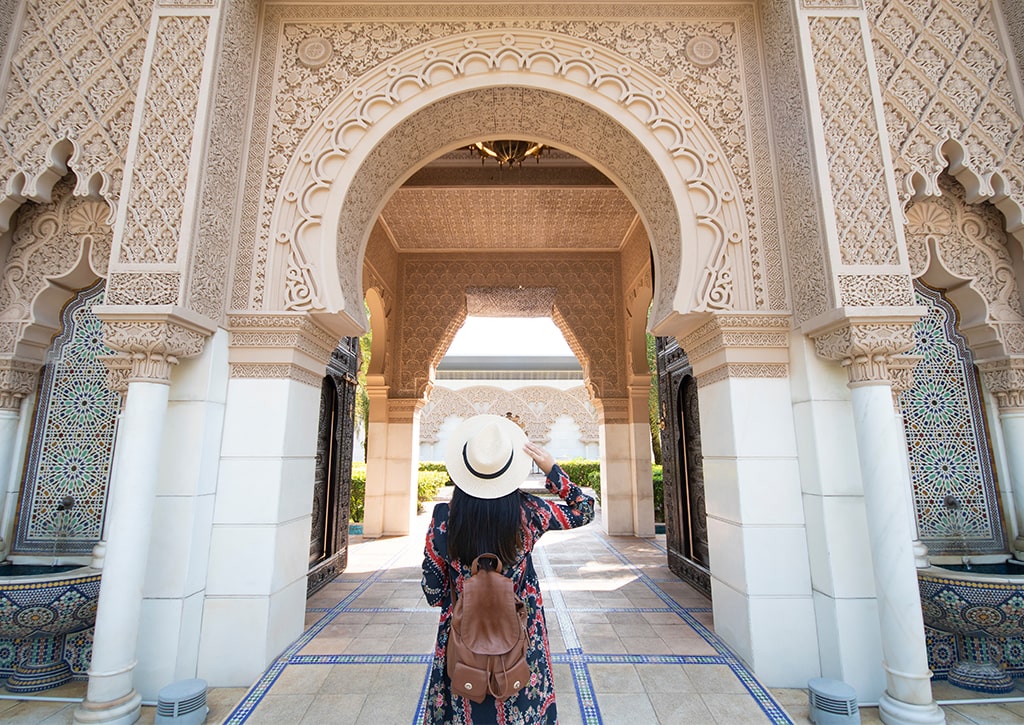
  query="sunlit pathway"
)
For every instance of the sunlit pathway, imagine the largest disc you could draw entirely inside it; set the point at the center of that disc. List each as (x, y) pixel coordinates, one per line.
(631, 642)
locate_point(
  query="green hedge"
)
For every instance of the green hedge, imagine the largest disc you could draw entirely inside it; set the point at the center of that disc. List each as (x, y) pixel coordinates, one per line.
(579, 469)
(432, 477)
(659, 494)
(358, 492)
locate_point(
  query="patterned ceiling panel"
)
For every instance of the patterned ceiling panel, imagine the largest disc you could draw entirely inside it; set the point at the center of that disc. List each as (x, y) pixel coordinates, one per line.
(422, 219)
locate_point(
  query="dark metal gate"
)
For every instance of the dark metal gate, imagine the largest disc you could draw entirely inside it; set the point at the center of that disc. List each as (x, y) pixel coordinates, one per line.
(332, 483)
(686, 527)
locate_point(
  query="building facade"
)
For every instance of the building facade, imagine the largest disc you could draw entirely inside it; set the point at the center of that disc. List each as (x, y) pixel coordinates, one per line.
(787, 188)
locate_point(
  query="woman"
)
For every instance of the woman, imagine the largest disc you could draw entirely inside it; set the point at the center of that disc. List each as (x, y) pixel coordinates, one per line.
(488, 457)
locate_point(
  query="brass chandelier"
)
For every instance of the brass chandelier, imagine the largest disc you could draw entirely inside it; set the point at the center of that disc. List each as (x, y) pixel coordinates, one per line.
(507, 152)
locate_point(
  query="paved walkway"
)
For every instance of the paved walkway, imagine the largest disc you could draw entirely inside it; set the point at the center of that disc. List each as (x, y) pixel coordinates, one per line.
(631, 644)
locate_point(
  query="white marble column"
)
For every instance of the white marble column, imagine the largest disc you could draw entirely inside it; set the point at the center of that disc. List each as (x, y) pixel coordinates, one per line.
(865, 350)
(154, 346)
(392, 460)
(111, 697)
(1005, 379)
(640, 436)
(618, 473)
(17, 381)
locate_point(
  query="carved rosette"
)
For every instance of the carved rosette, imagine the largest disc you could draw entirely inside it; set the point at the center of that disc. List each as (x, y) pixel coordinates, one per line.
(153, 346)
(739, 346)
(18, 379)
(865, 347)
(1005, 379)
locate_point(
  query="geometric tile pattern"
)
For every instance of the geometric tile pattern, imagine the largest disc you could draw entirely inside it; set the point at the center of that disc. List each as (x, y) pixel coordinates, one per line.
(614, 613)
(64, 609)
(955, 496)
(72, 439)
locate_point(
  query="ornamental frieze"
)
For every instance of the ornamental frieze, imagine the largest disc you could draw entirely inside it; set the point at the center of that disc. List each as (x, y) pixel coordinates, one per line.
(318, 55)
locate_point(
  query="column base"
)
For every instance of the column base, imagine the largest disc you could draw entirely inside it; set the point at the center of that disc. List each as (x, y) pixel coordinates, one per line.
(122, 711)
(894, 712)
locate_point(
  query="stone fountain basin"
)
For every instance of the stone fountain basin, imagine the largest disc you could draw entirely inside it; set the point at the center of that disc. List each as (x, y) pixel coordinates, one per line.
(37, 611)
(972, 603)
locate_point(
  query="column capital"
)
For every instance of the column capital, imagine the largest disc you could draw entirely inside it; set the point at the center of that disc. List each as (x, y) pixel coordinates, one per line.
(738, 345)
(154, 338)
(18, 380)
(864, 340)
(292, 345)
(612, 410)
(1004, 377)
(404, 410)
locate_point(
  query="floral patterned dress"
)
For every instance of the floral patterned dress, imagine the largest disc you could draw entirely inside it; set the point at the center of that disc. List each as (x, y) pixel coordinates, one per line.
(535, 703)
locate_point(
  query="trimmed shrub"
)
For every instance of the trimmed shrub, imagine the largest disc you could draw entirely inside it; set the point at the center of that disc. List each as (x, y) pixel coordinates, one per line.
(433, 466)
(594, 481)
(659, 494)
(428, 483)
(578, 470)
(358, 492)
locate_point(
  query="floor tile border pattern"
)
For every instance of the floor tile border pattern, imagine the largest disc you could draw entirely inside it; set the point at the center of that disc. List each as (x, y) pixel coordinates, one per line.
(589, 712)
(763, 698)
(259, 690)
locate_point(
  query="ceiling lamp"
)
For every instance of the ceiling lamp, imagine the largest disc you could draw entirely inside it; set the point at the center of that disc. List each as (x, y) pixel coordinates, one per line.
(508, 153)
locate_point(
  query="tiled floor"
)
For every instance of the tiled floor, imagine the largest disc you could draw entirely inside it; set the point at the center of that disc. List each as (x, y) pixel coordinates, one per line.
(630, 642)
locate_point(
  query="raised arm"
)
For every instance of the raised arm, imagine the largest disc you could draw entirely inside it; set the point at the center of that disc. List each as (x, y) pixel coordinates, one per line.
(576, 509)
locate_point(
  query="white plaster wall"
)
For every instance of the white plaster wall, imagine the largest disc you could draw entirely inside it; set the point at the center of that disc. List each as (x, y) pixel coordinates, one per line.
(171, 616)
(761, 582)
(842, 576)
(565, 439)
(256, 583)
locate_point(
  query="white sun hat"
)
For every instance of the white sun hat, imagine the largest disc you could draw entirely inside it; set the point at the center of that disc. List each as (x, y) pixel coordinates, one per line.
(485, 456)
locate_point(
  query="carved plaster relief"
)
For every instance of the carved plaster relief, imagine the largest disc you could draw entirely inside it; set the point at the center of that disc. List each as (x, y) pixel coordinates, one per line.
(586, 309)
(71, 93)
(536, 406)
(305, 87)
(49, 242)
(971, 244)
(946, 76)
(864, 221)
(800, 221)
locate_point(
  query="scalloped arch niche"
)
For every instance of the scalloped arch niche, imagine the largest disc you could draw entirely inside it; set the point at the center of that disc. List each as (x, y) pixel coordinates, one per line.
(585, 100)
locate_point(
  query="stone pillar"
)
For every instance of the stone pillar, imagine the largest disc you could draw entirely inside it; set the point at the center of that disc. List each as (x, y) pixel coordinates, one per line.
(865, 347)
(1005, 379)
(154, 346)
(901, 373)
(18, 380)
(392, 461)
(760, 570)
(640, 438)
(618, 472)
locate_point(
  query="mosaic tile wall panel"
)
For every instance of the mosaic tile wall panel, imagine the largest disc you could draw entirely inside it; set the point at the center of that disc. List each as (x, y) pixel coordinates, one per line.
(72, 439)
(955, 496)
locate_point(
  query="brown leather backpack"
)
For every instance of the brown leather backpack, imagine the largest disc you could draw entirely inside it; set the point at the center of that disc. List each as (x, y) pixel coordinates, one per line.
(487, 640)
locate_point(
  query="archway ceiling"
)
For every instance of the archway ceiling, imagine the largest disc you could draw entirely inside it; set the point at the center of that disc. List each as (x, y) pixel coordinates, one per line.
(557, 203)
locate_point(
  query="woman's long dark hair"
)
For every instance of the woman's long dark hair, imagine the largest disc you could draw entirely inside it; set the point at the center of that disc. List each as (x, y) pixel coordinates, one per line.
(484, 526)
